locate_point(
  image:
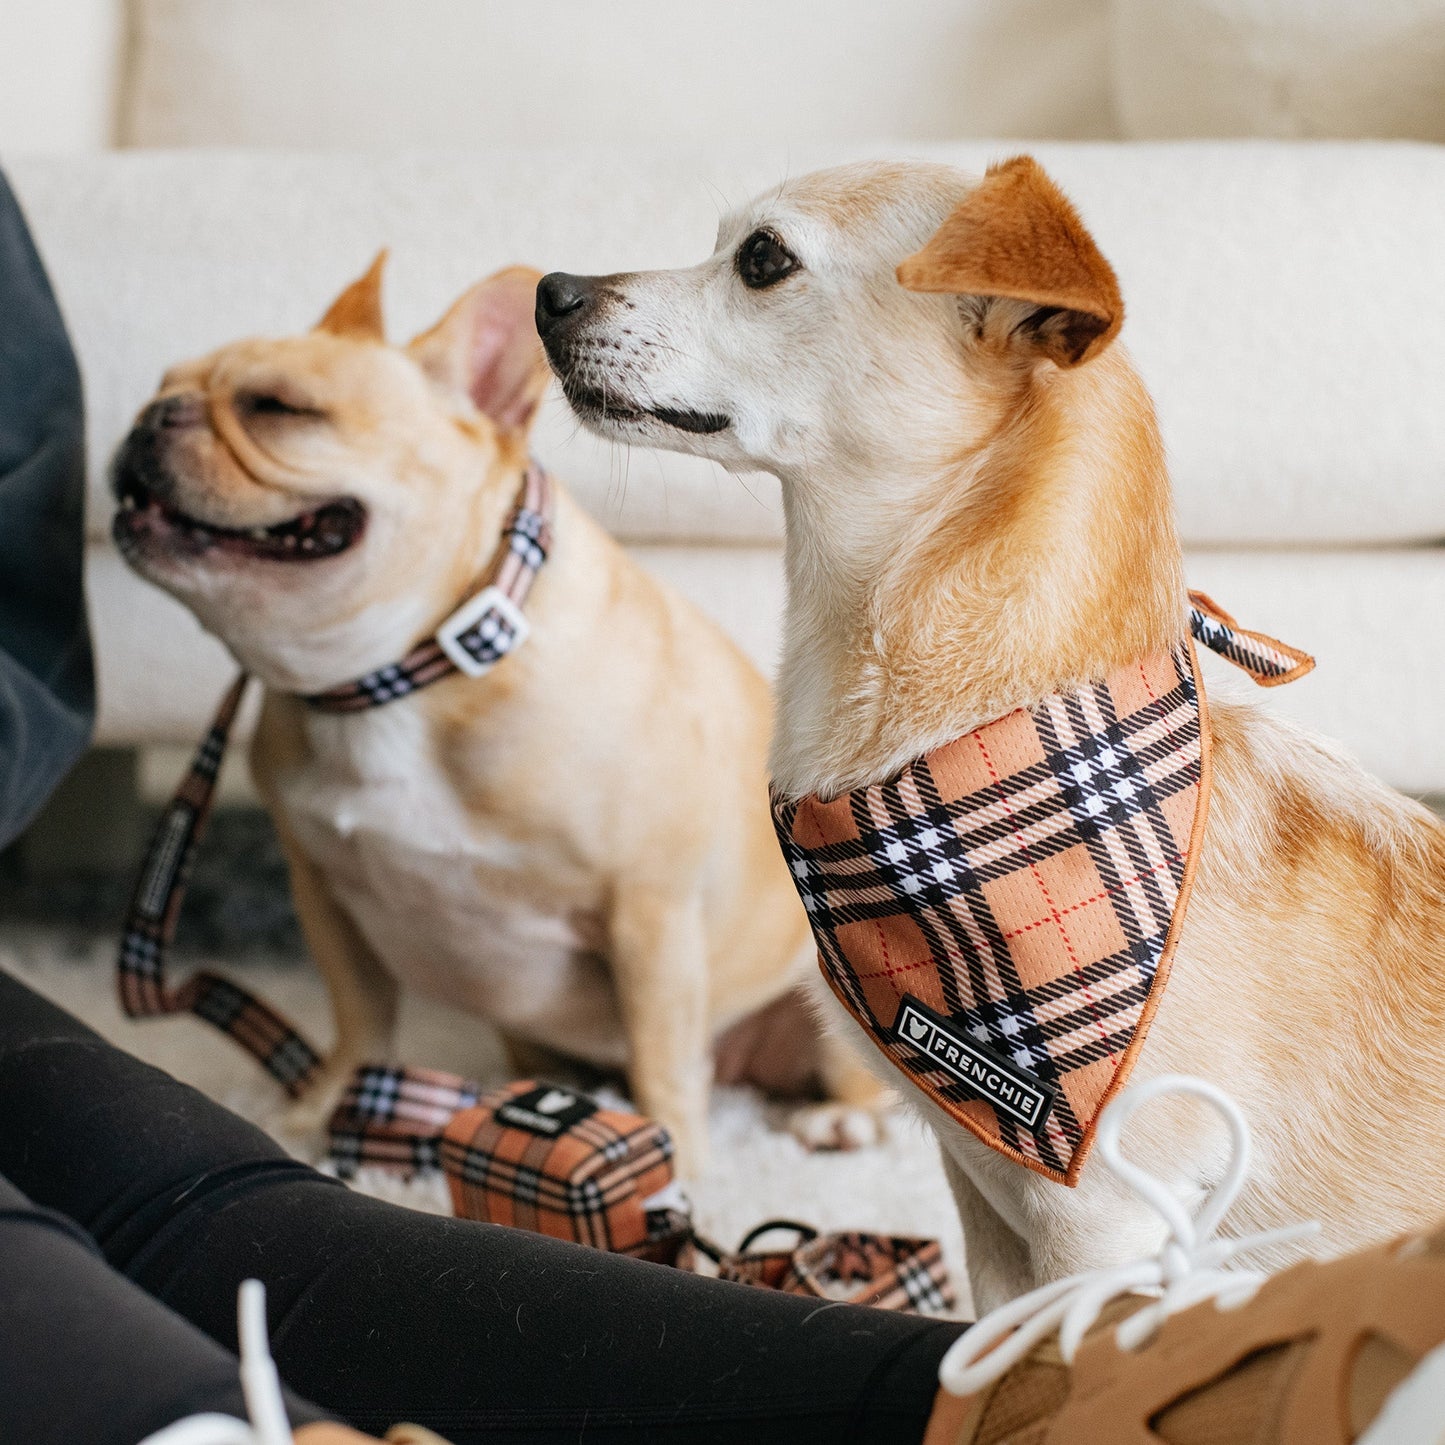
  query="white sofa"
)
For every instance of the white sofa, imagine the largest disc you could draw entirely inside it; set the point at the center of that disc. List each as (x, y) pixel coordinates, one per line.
(1285, 300)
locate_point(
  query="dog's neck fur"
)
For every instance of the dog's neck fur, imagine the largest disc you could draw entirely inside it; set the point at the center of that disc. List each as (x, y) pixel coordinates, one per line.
(925, 602)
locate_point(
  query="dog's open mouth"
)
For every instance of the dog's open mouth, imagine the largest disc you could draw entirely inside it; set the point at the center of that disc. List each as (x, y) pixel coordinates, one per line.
(324, 531)
(609, 408)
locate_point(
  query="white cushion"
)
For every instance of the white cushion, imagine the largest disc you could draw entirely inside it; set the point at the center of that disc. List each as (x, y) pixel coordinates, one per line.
(1291, 69)
(1367, 616)
(370, 74)
(1285, 302)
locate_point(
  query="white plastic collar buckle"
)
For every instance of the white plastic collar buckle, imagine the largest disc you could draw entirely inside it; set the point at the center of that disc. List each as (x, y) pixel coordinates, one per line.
(489, 599)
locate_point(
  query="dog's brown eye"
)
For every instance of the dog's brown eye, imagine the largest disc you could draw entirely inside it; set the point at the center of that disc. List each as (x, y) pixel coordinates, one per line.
(267, 403)
(763, 261)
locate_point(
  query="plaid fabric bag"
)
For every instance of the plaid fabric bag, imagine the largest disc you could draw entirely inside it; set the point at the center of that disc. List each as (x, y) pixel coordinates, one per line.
(552, 1160)
(889, 1272)
(1000, 917)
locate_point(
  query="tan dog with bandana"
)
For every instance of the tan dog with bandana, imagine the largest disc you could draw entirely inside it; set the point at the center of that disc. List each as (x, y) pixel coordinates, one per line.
(574, 846)
(979, 526)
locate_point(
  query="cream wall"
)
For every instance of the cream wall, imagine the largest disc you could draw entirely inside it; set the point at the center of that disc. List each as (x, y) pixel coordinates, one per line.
(391, 74)
(60, 65)
(388, 74)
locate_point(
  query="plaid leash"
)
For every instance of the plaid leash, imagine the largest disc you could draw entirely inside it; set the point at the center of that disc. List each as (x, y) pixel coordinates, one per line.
(1001, 916)
(472, 640)
(394, 1117)
(602, 1179)
(155, 909)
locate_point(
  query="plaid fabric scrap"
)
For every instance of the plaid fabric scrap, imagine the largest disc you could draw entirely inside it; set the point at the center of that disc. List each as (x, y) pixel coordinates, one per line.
(590, 1182)
(889, 1272)
(1000, 917)
(154, 911)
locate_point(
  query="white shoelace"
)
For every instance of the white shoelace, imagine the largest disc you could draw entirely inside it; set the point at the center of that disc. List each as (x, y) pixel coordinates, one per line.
(1188, 1269)
(260, 1384)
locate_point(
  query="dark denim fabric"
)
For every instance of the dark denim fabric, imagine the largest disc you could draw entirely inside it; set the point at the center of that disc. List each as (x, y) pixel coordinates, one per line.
(47, 688)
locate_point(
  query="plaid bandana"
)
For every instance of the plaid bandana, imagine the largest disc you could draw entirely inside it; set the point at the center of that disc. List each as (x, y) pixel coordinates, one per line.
(472, 640)
(1001, 916)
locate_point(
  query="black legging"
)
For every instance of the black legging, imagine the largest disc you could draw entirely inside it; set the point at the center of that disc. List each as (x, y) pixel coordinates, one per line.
(377, 1313)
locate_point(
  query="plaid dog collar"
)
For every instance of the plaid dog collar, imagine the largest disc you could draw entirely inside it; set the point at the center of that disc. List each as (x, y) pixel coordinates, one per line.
(481, 632)
(1001, 916)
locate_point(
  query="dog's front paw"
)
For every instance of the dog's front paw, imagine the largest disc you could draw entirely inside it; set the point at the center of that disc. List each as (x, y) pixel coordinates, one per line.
(836, 1126)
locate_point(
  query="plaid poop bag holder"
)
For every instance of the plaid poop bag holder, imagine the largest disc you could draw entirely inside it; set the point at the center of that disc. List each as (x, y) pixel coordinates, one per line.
(530, 1155)
(1000, 917)
(553, 1160)
(549, 1159)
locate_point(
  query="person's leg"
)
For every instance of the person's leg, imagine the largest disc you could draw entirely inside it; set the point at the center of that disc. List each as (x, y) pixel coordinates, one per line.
(381, 1313)
(87, 1356)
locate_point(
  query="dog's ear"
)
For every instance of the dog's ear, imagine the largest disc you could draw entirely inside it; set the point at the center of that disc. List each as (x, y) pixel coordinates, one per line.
(357, 311)
(1016, 235)
(487, 347)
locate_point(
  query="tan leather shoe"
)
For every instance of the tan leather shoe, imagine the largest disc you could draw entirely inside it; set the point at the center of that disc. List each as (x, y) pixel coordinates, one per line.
(1349, 1352)
(323, 1432)
(1310, 1360)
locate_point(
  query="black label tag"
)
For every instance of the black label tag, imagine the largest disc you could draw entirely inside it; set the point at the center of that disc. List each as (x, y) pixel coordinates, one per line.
(982, 1070)
(548, 1110)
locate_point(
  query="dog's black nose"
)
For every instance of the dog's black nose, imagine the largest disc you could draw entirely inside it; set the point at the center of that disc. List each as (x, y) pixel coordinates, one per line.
(560, 295)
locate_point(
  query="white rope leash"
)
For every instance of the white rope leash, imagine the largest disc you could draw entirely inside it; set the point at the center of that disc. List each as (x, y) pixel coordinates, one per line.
(1188, 1269)
(260, 1384)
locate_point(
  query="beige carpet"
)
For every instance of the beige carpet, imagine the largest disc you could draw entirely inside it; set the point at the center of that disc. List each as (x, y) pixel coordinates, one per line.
(756, 1171)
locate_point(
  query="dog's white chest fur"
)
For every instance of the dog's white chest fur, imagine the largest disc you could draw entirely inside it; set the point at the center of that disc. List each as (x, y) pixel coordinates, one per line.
(449, 898)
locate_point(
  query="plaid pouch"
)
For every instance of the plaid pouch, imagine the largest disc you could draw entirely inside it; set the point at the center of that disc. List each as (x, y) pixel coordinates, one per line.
(549, 1159)
(889, 1272)
(552, 1160)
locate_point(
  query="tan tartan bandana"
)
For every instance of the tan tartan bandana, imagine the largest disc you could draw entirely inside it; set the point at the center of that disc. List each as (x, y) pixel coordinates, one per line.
(1001, 916)
(478, 635)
